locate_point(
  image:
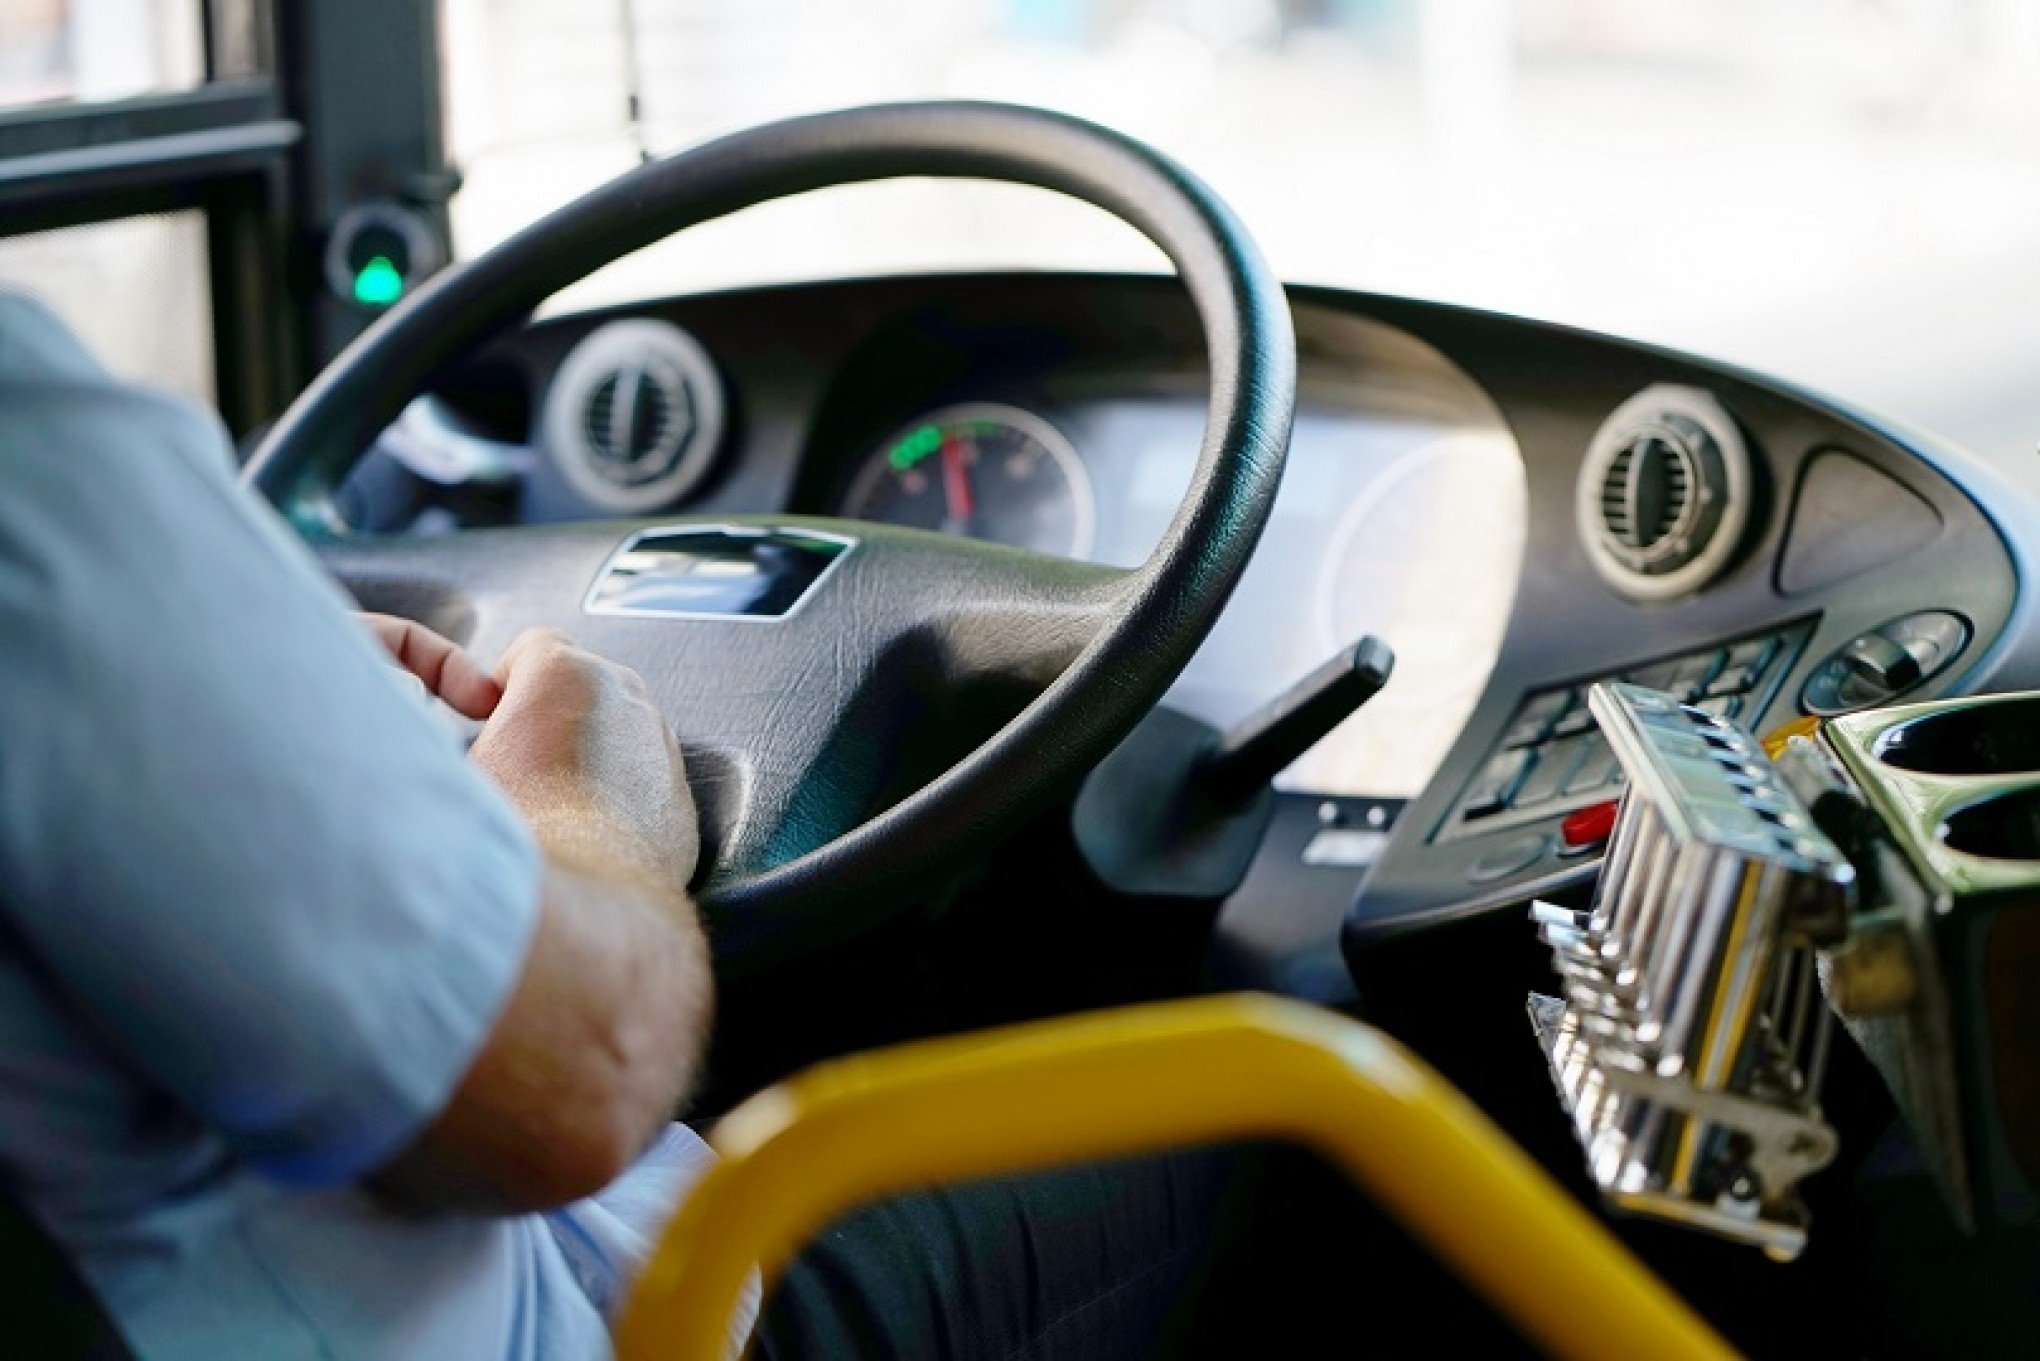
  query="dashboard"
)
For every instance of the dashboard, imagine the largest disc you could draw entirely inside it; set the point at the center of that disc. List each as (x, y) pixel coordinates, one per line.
(1519, 510)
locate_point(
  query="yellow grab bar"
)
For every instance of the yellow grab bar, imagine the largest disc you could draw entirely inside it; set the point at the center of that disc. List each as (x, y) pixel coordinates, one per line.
(800, 1155)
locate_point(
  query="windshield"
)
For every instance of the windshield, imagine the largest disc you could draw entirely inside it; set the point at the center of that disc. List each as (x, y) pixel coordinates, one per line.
(1842, 193)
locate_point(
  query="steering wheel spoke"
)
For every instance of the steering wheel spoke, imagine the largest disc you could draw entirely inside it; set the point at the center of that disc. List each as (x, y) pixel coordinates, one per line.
(993, 611)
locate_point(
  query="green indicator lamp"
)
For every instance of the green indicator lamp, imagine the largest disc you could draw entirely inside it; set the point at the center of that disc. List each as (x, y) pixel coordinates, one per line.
(378, 283)
(914, 447)
(379, 253)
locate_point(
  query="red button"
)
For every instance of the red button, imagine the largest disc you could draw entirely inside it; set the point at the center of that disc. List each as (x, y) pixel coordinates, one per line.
(1589, 827)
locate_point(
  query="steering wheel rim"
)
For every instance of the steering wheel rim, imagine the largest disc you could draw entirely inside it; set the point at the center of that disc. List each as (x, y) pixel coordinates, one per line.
(1150, 621)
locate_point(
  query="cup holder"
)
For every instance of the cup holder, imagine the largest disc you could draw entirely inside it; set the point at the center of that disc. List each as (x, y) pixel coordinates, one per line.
(2001, 738)
(2003, 828)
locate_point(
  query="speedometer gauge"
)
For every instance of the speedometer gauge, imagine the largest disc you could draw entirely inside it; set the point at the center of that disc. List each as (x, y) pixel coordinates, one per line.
(983, 470)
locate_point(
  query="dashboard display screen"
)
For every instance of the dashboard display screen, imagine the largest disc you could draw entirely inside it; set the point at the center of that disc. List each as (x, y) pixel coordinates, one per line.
(1401, 526)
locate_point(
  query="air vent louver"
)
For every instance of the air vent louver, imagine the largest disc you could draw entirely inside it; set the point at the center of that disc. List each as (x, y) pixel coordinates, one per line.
(636, 422)
(1648, 492)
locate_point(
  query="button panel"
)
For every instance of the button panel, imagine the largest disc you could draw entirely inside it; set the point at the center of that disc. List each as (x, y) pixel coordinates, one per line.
(1551, 759)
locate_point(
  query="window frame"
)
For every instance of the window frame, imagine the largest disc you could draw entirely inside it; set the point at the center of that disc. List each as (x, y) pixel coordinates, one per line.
(307, 108)
(223, 149)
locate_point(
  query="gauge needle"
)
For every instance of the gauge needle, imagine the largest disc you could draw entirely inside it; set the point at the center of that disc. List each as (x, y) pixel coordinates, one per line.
(956, 487)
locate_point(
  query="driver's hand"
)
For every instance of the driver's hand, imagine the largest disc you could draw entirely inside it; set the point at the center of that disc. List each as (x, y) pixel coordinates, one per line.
(448, 670)
(581, 749)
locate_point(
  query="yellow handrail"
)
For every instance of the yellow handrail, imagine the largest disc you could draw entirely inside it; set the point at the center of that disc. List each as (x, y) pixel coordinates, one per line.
(801, 1154)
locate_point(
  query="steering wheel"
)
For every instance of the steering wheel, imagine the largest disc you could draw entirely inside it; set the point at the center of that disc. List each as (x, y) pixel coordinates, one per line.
(793, 725)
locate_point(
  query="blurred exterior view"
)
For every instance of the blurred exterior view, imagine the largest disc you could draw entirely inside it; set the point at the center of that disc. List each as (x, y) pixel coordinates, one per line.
(1842, 192)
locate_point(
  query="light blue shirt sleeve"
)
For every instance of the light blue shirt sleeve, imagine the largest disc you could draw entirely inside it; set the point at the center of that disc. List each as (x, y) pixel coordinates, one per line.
(254, 866)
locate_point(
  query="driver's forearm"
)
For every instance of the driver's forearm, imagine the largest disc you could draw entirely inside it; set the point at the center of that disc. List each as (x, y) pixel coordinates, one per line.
(598, 1046)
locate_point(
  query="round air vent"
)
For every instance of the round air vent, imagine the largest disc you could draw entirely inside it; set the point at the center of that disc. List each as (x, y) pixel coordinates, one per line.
(1664, 493)
(634, 416)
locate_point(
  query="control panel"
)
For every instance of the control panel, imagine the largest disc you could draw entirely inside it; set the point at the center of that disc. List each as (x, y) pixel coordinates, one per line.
(1551, 758)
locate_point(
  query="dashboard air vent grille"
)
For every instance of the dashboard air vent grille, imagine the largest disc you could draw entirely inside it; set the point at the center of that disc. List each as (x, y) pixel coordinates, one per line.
(634, 416)
(1663, 493)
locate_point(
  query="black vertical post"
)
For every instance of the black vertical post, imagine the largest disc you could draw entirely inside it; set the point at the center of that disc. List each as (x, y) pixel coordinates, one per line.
(258, 361)
(362, 76)
(258, 358)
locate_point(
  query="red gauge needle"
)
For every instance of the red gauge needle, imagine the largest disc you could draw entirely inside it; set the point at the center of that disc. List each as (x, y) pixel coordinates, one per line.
(956, 487)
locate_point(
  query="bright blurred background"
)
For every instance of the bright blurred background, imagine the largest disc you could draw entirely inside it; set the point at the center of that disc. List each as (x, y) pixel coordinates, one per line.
(1843, 192)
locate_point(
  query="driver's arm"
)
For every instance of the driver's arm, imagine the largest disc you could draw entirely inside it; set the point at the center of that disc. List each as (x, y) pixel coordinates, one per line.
(236, 855)
(601, 1036)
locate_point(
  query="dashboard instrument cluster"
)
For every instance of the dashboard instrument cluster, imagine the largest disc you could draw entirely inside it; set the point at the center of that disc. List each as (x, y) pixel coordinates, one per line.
(1406, 524)
(984, 470)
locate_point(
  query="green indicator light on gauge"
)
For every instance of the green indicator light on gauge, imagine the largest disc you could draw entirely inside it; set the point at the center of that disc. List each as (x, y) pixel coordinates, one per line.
(914, 446)
(378, 283)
